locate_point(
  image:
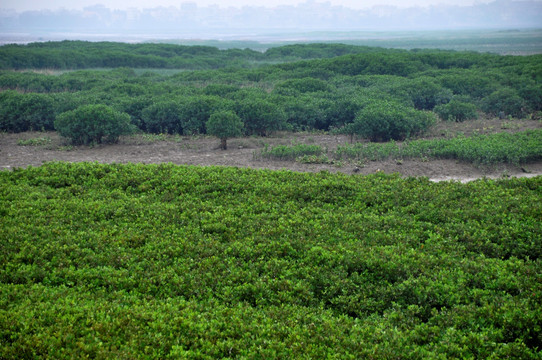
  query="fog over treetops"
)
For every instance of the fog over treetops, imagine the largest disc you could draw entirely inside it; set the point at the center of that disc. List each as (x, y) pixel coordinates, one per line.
(309, 16)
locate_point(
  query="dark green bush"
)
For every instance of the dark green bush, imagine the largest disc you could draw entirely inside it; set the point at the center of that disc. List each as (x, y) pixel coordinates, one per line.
(162, 117)
(507, 101)
(67, 101)
(134, 106)
(388, 120)
(194, 111)
(24, 112)
(532, 94)
(261, 117)
(219, 89)
(342, 108)
(9, 111)
(93, 124)
(224, 124)
(304, 112)
(468, 82)
(425, 93)
(456, 110)
(305, 85)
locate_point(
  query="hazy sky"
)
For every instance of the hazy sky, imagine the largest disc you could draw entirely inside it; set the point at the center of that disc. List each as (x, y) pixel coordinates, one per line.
(23, 5)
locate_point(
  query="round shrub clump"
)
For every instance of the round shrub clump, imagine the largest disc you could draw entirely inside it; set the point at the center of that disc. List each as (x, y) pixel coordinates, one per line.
(389, 120)
(224, 125)
(456, 110)
(507, 101)
(93, 124)
(26, 112)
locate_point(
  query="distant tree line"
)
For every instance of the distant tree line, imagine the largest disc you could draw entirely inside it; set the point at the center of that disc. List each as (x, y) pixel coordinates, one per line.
(375, 93)
(86, 55)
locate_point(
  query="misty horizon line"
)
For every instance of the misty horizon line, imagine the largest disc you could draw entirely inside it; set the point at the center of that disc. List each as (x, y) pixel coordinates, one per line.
(193, 5)
(307, 16)
(189, 5)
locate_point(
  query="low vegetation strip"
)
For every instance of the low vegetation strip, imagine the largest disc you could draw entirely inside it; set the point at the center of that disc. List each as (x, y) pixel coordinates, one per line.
(135, 261)
(518, 148)
(289, 152)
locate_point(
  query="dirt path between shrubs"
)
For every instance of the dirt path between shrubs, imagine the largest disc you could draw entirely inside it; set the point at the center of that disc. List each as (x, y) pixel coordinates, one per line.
(204, 151)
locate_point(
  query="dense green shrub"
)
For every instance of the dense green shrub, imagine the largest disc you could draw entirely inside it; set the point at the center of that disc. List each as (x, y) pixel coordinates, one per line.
(312, 51)
(224, 124)
(304, 112)
(343, 108)
(67, 101)
(261, 117)
(162, 117)
(24, 112)
(93, 124)
(134, 106)
(425, 93)
(532, 94)
(9, 111)
(219, 89)
(469, 82)
(194, 111)
(305, 85)
(37, 111)
(456, 110)
(505, 101)
(29, 81)
(387, 120)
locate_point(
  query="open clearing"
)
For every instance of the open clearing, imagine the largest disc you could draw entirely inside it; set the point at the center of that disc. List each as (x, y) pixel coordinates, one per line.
(204, 151)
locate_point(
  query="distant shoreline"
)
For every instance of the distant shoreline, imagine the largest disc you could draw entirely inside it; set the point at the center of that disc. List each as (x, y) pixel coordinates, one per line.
(511, 41)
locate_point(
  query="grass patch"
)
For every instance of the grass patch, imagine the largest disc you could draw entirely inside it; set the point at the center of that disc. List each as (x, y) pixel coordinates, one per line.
(149, 138)
(314, 159)
(289, 152)
(39, 141)
(516, 148)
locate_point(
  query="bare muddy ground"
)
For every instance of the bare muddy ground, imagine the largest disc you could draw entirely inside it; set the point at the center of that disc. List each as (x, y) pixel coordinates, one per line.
(204, 151)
